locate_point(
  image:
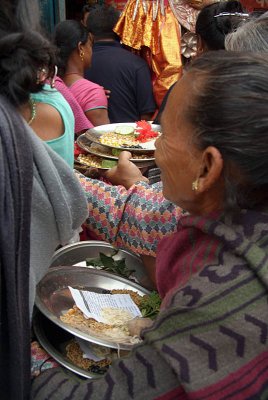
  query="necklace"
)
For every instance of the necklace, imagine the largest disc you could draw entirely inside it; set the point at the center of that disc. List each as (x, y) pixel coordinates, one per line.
(33, 111)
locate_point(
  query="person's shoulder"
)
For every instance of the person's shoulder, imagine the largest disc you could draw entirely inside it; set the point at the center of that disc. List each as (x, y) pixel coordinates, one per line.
(87, 84)
(131, 56)
(138, 63)
(132, 61)
(48, 115)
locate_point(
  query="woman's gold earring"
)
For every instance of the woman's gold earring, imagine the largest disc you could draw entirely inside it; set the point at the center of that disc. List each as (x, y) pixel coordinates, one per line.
(195, 185)
(82, 55)
(41, 75)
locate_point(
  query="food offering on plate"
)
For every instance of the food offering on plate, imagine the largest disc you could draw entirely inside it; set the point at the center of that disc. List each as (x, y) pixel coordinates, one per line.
(114, 263)
(136, 137)
(96, 162)
(72, 298)
(107, 315)
(111, 264)
(99, 150)
(90, 356)
(130, 137)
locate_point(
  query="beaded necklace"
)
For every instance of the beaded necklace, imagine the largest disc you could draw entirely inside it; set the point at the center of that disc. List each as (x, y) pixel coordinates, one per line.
(33, 111)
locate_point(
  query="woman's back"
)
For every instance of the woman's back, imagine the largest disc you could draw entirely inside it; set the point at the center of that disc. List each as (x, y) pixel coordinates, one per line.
(54, 122)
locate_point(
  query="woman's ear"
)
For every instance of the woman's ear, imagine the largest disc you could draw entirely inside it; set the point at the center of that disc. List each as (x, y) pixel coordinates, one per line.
(91, 38)
(210, 170)
(80, 47)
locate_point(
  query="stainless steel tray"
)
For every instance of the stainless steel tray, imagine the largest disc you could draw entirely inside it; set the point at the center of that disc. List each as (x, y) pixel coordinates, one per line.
(91, 161)
(80, 251)
(54, 340)
(54, 299)
(86, 145)
(95, 133)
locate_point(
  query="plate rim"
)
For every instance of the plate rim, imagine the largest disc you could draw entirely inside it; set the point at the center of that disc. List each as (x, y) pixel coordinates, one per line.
(43, 340)
(86, 148)
(90, 166)
(133, 124)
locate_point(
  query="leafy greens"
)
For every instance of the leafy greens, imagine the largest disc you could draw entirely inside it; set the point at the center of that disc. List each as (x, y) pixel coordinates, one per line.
(150, 305)
(108, 263)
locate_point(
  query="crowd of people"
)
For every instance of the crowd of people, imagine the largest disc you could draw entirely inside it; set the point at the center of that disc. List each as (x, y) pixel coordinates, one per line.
(206, 249)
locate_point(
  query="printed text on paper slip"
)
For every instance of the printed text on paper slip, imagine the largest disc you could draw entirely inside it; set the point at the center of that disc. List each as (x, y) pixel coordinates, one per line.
(91, 303)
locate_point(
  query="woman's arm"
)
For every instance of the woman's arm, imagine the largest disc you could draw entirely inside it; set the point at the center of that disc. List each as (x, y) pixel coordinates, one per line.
(145, 374)
(98, 116)
(135, 219)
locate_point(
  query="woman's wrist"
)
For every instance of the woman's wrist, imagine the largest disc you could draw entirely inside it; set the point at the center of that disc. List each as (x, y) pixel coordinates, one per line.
(132, 182)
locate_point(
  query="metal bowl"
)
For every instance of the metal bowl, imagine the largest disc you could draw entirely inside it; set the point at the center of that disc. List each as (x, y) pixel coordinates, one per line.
(54, 299)
(80, 251)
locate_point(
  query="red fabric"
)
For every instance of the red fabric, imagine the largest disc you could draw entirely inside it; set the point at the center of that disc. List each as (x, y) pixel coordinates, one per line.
(83, 235)
(176, 394)
(241, 385)
(252, 5)
(178, 259)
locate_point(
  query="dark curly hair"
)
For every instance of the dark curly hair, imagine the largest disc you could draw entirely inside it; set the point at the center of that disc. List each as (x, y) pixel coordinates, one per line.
(23, 50)
(21, 55)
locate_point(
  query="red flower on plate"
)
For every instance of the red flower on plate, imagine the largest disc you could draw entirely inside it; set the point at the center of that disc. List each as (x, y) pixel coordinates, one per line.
(146, 132)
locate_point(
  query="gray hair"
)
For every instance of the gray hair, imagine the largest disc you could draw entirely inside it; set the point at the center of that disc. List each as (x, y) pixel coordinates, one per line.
(229, 111)
(252, 36)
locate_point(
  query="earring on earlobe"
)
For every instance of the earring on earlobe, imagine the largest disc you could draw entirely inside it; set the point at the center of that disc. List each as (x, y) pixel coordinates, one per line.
(195, 185)
(41, 75)
(82, 53)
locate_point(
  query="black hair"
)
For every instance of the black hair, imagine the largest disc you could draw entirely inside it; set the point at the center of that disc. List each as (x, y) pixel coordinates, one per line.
(213, 29)
(68, 34)
(22, 54)
(229, 112)
(23, 50)
(101, 21)
(85, 9)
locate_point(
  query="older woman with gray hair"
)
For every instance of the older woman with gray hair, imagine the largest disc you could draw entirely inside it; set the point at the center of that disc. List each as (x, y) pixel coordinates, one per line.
(251, 36)
(210, 338)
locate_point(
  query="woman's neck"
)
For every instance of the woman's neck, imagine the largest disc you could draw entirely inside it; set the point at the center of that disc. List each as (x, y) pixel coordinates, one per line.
(75, 66)
(72, 75)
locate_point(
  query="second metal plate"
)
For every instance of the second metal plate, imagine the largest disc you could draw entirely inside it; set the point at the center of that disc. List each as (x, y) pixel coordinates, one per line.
(54, 299)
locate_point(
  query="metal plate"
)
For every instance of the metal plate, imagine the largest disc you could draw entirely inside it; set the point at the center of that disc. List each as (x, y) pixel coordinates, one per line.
(54, 299)
(90, 161)
(98, 159)
(80, 251)
(95, 133)
(54, 340)
(105, 152)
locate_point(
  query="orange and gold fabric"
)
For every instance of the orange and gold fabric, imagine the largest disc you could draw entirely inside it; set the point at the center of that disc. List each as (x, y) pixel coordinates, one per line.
(141, 26)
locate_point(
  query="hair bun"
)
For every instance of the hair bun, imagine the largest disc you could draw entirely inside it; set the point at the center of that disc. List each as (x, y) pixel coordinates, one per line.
(21, 55)
(227, 23)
